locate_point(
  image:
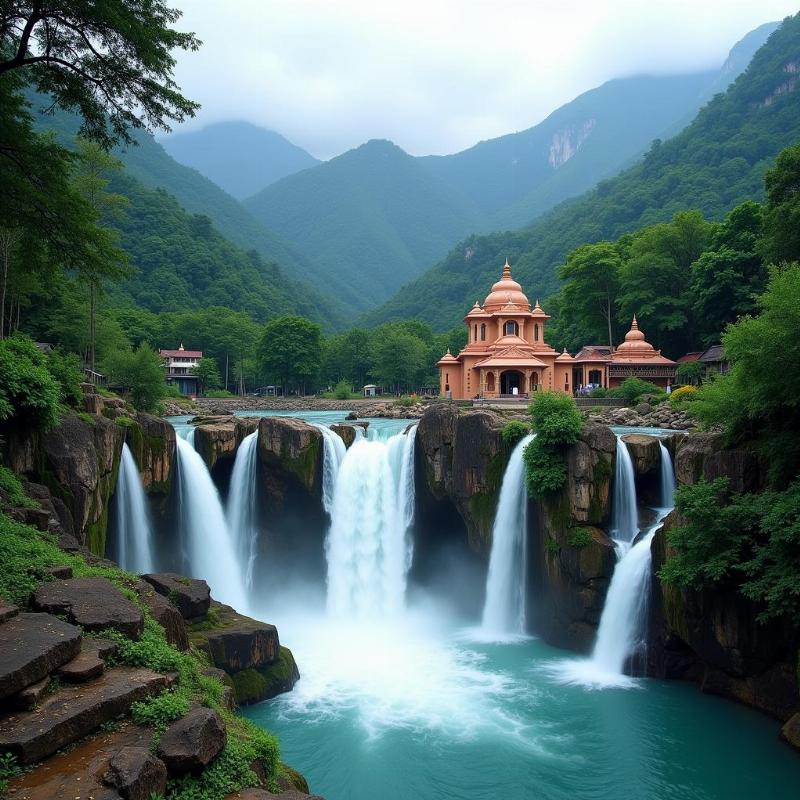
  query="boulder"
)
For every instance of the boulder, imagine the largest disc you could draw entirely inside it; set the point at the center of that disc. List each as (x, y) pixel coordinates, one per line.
(645, 453)
(193, 742)
(220, 438)
(93, 603)
(31, 696)
(241, 642)
(31, 647)
(7, 611)
(85, 666)
(59, 573)
(136, 774)
(152, 441)
(293, 446)
(191, 596)
(790, 732)
(75, 711)
(346, 432)
(165, 614)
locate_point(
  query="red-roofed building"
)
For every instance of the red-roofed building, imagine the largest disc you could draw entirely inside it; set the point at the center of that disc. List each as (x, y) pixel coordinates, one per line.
(180, 365)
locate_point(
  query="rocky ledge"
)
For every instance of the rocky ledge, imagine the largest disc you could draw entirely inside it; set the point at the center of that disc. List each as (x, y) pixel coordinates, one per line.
(645, 416)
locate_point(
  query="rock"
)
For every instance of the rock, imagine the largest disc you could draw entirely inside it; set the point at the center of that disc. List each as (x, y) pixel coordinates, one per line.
(228, 694)
(703, 455)
(59, 573)
(165, 614)
(136, 774)
(294, 446)
(219, 438)
(31, 647)
(255, 684)
(152, 441)
(351, 416)
(75, 711)
(190, 596)
(643, 408)
(645, 453)
(93, 603)
(102, 648)
(31, 696)
(7, 611)
(790, 732)
(85, 666)
(346, 432)
(242, 642)
(193, 742)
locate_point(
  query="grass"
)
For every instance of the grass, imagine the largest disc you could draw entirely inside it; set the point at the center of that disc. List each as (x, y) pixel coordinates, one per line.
(11, 485)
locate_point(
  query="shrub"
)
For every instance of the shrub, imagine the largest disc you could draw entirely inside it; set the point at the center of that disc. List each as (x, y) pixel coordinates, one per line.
(545, 471)
(11, 486)
(683, 393)
(141, 372)
(215, 393)
(342, 391)
(158, 712)
(407, 401)
(29, 394)
(556, 419)
(633, 388)
(66, 369)
(598, 391)
(689, 372)
(579, 537)
(514, 431)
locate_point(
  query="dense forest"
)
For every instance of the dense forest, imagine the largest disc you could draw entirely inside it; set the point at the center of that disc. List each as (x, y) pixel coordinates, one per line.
(717, 162)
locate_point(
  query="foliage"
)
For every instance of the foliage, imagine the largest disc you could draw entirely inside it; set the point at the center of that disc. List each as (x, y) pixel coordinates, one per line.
(545, 470)
(750, 541)
(207, 373)
(757, 401)
(219, 393)
(66, 369)
(682, 394)
(556, 419)
(342, 391)
(782, 242)
(141, 372)
(290, 351)
(633, 389)
(513, 432)
(29, 394)
(112, 63)
(578, 537)
(8, 769)
(11, 487)
(159, 711)
(689, 373)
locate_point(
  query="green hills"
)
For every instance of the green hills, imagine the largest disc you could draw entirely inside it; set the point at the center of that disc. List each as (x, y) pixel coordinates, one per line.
(718, 161)
(239, 157)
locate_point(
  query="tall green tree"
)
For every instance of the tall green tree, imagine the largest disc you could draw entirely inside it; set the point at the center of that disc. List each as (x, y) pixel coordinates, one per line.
(207, 374)
(141, 372)
(290, 351)
(399, 358)
(110, 61)
(782, 222)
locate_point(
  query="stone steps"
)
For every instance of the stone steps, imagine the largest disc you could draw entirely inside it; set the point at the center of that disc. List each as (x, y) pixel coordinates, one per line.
(76, 711)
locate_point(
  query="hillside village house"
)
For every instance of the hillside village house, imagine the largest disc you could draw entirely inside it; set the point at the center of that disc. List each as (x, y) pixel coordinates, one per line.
(507, 356)
(180, 365)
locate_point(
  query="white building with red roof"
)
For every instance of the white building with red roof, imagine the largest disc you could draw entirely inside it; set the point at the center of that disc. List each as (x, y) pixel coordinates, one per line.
(180, 366)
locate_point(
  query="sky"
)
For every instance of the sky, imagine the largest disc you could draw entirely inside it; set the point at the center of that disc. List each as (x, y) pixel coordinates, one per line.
(436, 76)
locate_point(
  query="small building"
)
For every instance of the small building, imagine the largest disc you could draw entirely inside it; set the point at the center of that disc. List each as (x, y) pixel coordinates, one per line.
(180, 365)
(370, 390)
(637, 358)
(714, 360)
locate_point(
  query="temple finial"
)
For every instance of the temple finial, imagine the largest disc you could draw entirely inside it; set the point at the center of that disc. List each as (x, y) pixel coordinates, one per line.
(506, 269)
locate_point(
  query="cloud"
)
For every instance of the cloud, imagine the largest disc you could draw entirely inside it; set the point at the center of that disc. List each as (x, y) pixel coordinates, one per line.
(439, 75)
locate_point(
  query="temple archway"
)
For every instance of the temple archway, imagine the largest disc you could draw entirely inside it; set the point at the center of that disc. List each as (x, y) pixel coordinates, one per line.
(510, 380)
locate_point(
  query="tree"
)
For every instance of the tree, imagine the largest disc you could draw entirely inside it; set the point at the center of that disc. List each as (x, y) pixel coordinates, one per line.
(290, 351)
(207, 374)
(141, 372)
(782, 218)
(399, 359)
(92, 177)
(29, 394)
(9, 239)
(111, 62)
(591, 287)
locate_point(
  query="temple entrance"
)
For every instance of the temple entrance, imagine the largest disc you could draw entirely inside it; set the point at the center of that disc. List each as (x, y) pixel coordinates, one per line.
(511, 380)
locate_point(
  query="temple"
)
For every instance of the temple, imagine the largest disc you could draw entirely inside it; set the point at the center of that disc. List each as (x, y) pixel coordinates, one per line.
(507, 356)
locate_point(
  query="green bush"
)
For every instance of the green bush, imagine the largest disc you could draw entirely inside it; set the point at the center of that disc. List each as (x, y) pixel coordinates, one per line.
(218, 393)
(11, 486)
(158, 712)
(514, 431)
(66, 369)
(141, 372)
(342, 391)
(633, 388)
(598, 391)
(682, 394)
(8, 769)
(29, 394)
(579, 537)
(545, 470)
(556, 419)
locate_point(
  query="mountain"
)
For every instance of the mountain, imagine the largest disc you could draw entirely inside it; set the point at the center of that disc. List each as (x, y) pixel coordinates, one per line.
(368, 220)
(374, 218)
(239, 157)
(718, 161)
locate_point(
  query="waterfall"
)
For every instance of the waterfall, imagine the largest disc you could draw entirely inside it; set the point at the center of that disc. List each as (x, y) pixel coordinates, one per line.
(368, 547)
(133, 522)
(210, 551)
(243, 505)
(333, 454)
(622, 623)
(624, 513)
(504, 608)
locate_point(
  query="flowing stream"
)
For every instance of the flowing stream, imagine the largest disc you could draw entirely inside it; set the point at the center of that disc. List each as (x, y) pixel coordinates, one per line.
(209, 546)
(243, 505)
(333, 454)
(624, 511)
(372, 507)
(504, 607)
(134, 536)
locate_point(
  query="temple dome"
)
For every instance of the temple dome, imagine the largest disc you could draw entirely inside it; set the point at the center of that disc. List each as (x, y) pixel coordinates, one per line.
(505, 291)
(635, 343)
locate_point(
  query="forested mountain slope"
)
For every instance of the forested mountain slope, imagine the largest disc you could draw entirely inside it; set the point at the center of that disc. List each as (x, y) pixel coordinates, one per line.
(238, 156)
(715, 163)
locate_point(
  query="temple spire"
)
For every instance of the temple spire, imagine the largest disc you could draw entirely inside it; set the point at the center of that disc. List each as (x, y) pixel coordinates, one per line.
(506, 269)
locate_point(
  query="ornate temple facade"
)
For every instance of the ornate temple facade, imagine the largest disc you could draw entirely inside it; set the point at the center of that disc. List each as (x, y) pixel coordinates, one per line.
(507, 356)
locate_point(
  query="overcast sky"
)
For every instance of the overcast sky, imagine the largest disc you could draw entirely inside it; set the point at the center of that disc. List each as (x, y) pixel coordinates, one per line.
(436, 76)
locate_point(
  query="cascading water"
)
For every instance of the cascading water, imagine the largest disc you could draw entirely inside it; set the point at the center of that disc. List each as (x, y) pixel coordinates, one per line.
(134, 546)
(368, 548)
(243, 505)
(210, 551)
(504, 607)
(624, 513)
(622, 623)
(333, 454)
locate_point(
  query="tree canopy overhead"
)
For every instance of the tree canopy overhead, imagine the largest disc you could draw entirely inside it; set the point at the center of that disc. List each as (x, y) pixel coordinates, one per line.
(111, 62)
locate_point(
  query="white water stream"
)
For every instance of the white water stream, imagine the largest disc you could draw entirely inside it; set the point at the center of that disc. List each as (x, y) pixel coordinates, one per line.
(368, 545)
(243, 505)
(134, 542)
(504, 607)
